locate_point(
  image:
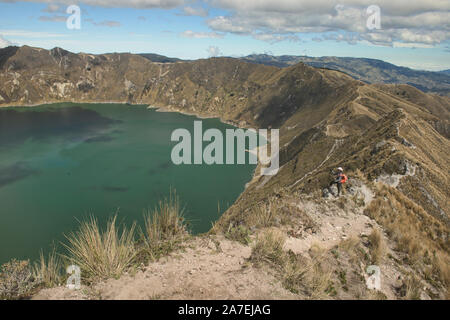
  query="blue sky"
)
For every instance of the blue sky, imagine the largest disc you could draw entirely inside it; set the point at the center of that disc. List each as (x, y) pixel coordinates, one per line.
(417, 38)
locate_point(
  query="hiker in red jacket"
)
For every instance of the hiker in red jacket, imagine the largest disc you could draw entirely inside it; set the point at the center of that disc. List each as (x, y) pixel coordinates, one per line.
(340, 179)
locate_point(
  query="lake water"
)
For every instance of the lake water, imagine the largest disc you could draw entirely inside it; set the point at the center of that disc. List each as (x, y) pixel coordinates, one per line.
(61, 163)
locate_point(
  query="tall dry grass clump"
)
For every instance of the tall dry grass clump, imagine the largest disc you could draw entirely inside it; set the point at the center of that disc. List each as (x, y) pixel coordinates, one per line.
(268, 247)
(309, 277)
(263, 215)
(164, 227)
(48, 272)
(420, 237)
(101, 254)
(377, 246)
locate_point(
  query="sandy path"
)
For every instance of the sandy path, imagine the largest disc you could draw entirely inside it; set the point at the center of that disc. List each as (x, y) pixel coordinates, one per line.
(202, 271)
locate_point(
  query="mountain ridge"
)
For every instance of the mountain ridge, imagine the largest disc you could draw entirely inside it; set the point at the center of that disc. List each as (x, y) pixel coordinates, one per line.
(369, 70)
(365, 69)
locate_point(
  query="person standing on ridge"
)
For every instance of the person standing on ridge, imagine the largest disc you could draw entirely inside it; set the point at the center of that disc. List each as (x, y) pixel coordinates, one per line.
(341, 178)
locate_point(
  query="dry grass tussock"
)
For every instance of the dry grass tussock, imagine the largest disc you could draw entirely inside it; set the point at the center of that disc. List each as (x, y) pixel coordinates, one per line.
(307, 277)
(164, 228)
(419, 237)
(377, 246)
(101, 254)
(268, 247)
(48, 272)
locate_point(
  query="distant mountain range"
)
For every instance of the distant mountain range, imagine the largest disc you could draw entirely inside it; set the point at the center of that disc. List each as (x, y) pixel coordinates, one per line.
(367, 70)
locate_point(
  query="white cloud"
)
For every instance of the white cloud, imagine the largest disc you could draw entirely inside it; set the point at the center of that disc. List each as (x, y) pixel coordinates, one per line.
(201, 35)
(53, 7)
(53, 18)
(423, 22)
(226, 24)
(190, 11)
(402, 21)
(351, 38)
(140, 4)
(107, 23)
(410, 45)
(392, 7)
(214, 51)
(4, 43)
(273, 38)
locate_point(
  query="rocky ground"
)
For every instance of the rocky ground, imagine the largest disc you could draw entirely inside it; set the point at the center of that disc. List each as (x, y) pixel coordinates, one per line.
(214, 267)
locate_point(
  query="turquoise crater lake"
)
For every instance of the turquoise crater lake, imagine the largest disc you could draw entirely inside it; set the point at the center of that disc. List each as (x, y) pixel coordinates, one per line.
(60, 163)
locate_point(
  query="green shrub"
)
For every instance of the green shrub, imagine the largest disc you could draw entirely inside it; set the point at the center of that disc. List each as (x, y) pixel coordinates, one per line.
(240, 234)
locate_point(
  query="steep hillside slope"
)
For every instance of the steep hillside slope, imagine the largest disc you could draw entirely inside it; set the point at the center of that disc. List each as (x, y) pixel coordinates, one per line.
(375, 133)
